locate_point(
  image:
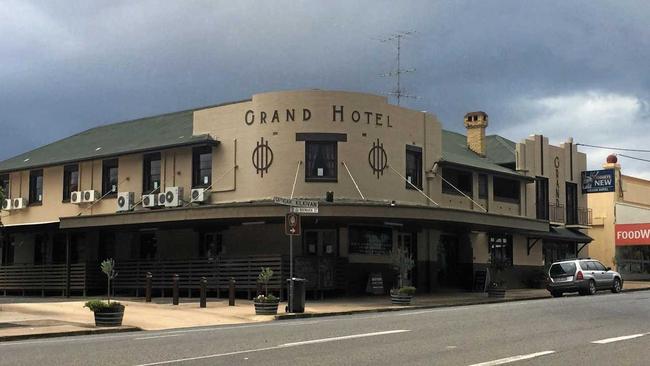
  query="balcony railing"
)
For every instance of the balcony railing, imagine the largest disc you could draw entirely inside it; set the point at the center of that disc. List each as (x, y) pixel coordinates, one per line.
(585, 216)
(556, 212)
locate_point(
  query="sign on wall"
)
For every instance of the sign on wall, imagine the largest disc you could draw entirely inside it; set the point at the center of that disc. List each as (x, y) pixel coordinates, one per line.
(596, 181)
(632, 234)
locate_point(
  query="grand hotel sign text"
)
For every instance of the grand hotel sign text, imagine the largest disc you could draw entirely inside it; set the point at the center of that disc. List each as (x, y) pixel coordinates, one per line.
(338, 114)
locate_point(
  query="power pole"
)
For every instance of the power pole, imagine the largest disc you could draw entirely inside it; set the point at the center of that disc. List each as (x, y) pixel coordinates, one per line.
(398, 92)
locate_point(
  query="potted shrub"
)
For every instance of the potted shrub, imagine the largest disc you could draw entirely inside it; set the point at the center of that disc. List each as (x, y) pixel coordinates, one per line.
(266, 304)
(497, 286)
(107, 313)
(403, 263)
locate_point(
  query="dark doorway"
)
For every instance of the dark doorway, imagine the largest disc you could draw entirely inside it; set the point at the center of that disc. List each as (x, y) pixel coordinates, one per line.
(406, 240)
(449, 273)
(148, 245)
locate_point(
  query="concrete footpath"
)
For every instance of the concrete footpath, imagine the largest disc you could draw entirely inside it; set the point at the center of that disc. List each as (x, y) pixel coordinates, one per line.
(24, 317)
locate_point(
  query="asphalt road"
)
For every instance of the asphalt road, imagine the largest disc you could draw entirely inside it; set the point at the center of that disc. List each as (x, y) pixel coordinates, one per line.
(606, 329)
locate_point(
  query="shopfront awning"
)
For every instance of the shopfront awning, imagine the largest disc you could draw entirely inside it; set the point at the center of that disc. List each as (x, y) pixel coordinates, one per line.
(557, 234)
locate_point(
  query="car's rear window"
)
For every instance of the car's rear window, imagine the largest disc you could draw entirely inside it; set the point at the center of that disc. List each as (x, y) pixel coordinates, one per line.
(563, 269)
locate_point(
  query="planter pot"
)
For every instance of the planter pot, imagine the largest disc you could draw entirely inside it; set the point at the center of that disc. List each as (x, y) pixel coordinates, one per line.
(400, 299)
(497, 292)
(110, 318)
(266, 308)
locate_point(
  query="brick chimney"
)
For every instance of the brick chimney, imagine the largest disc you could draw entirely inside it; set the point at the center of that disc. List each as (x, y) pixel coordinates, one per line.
(476, 123)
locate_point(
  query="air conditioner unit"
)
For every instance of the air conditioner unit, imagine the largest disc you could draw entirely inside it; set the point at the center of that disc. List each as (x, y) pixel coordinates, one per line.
(200, 195)
(76, 197)
(174, 197)
(161, 198)
(90, 196)
(150, 201)
(7, 204)
(19, 204)
(124, 201)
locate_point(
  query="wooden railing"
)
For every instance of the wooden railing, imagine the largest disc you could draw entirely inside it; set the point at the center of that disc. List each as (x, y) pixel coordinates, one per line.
(43, 277)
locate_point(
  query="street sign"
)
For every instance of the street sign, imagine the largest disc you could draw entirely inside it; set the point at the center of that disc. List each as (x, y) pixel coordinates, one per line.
(295, 202)
(292, 224)
(305, 210)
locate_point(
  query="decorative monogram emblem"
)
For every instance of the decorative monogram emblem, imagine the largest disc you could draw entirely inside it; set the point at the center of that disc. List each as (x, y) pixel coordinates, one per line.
(377, 158)
(262, 157)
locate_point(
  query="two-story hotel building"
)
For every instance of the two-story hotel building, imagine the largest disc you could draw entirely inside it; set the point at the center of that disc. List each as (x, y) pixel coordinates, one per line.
(385, 177)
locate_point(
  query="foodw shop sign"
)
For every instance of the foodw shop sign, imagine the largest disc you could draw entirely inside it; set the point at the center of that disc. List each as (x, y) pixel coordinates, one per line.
(632, 234)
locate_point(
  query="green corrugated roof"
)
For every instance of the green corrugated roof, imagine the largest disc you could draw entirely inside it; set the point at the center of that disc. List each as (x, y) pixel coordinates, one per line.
(145, 134)
(500, 150)
(455, 151)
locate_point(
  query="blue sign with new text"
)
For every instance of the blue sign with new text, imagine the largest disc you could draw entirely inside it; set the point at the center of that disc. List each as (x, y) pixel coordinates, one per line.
(596, 181)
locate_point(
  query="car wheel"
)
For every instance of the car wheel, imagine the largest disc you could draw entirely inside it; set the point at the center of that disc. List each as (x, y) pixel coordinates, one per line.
(592, 288)
(556, 293)
(616, 286)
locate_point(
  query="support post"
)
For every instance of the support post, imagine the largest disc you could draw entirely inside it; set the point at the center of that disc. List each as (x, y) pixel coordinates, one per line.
(147, 289)
(67, 265)
(231, 292)
(290, 273)
(204, 283)
(175, 290)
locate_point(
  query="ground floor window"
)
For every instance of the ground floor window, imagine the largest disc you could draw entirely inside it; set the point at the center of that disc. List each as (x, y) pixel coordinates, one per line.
(633, 259)
(370, 240)
(554, 252)
(501, 248)
(148, 245)
(8, 247)
(320, 242)
(210, 245)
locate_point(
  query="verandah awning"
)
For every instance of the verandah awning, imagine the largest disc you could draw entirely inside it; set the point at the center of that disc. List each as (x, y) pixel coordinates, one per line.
(560, 234)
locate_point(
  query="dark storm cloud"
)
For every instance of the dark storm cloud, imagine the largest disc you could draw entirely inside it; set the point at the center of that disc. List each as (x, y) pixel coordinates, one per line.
(554, 67)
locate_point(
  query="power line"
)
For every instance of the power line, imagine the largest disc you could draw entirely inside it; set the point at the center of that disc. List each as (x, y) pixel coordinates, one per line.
(634, 158)
(614, 148)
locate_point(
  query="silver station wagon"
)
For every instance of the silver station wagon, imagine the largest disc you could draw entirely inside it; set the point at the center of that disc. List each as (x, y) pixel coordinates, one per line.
(585, 276)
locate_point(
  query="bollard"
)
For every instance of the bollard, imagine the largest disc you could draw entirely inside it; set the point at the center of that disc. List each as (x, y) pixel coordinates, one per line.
(175, 290)
(231, 292)
(147, 289)
(204, 283)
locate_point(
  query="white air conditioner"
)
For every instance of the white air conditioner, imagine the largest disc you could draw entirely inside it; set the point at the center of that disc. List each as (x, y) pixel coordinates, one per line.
(174, 197)
(200, 195)
(90, 196)
(76, 197)
(19, 204)
(150, 201)
(7, 204)
(124, 201)
(161, 198)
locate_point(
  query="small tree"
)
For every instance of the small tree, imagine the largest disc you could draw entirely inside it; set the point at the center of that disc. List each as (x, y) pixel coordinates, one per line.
(264, 278)
(402, 262)
(108, 267)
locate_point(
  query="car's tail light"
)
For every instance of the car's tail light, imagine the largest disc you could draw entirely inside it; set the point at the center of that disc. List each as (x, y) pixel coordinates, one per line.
(579, 276)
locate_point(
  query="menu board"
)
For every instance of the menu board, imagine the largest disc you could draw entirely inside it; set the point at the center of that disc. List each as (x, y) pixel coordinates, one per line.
(375, 284)
(480, 280)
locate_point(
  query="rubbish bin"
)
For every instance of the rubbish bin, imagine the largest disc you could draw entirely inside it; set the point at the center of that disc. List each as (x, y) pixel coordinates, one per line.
(297, 303)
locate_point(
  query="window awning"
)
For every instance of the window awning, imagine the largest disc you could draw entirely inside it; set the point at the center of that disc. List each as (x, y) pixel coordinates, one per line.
(560, 234)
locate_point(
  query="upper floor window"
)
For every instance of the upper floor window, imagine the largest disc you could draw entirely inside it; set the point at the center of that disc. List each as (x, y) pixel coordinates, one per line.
(202, 166)
(482, 186)
(456, 178)
(151, 173)
(571, 203)
(70, 181)
(321, 161)
(414, 166)
(4, 185)
(109, 176)
(36, 186)
(541, 198)
(507, 190)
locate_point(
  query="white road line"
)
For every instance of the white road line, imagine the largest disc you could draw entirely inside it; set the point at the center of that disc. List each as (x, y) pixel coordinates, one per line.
(294, 344)
(617, 339)
(323, 340)
(513, 359)
(158, 336)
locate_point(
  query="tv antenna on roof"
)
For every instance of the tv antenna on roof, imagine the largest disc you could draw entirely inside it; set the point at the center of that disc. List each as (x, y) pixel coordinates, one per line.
(399, 92)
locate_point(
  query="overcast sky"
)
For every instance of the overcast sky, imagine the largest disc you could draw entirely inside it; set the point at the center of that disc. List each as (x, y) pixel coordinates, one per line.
(559, 68)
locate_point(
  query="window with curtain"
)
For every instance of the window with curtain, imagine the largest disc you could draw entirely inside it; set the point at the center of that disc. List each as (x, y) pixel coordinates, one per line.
(414, 166)
(109, 177)
(501, 247)
(321, 161)
(70, 181)
(36, 187)
(151, 174)
(202, 166)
